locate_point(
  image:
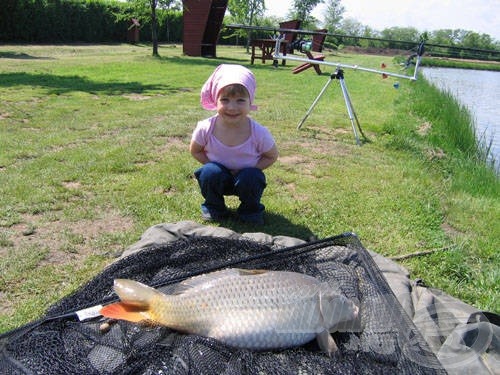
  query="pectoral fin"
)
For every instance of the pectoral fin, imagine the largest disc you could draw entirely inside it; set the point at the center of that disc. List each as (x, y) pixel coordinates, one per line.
(326, 343)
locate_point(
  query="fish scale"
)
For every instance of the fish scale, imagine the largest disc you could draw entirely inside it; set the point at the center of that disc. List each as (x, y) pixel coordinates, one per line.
(244, 308)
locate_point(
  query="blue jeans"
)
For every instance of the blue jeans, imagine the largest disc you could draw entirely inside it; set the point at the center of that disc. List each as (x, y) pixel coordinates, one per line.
(248, 184)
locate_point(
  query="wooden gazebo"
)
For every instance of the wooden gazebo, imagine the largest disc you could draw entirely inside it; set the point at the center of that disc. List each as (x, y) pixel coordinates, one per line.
(202, 24)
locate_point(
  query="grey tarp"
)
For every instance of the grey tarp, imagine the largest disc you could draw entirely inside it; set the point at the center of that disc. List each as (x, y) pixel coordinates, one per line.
(465, 340)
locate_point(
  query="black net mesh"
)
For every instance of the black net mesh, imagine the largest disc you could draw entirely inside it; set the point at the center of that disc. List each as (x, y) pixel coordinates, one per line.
(387, 342)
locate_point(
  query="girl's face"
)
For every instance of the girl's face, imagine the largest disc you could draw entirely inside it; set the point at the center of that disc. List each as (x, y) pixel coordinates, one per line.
(233, 104)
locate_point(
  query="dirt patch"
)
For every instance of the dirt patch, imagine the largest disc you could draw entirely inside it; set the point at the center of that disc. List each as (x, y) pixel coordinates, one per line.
(111, 222)
(136, 97)
(179, 142)
(450, 230)
(435, 154)
(167, 191)
(66, 241)
(292, 190)
(424, 129)
(6, 305)
(166, 146)
(322, 142)
(292, 159)
(72, 185)
(298, 161)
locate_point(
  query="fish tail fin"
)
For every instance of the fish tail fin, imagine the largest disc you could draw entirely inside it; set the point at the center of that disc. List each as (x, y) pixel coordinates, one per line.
(138, 302)
(123, 311)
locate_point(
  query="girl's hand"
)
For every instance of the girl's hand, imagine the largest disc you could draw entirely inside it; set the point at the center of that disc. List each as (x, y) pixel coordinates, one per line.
(268, 158)
(198, 152)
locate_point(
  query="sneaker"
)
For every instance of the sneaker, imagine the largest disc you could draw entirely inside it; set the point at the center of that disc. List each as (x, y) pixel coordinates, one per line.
(208, 214)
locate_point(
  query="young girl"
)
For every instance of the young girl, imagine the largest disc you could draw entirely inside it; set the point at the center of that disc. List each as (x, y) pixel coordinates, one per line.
(233, 148)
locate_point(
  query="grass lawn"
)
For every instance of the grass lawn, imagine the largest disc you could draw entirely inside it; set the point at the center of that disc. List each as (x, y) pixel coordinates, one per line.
(94, 150)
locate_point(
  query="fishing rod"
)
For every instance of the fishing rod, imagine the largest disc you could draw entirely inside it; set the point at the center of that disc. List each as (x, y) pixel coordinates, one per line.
(430, 46)
(420, 51)
(280, 38)
(305, 46)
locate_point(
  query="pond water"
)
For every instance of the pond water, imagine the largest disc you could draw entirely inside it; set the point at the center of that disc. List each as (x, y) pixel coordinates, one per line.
(479, 92)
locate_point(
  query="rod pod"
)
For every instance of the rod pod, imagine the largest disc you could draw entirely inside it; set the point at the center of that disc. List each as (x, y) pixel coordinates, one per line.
(338, 75)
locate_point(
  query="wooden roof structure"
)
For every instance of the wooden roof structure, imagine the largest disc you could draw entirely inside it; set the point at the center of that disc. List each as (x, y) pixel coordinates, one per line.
(202, 24)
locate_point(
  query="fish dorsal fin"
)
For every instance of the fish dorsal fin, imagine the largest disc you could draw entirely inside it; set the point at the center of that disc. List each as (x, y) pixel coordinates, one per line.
(244, 272)
(208, 279)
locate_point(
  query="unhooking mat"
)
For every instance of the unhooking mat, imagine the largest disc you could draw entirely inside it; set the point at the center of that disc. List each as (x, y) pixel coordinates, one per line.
(386, 343)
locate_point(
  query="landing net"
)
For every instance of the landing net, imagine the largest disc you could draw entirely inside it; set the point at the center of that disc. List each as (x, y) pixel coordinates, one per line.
(387, 341)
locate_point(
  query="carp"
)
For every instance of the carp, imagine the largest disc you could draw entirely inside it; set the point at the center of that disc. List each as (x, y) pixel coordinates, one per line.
(252, 309)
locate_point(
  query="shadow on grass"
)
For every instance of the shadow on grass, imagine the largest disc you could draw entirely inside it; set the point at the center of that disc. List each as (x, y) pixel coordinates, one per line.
(21, 56)
(275, 225)
(63, 84)
(210, 61)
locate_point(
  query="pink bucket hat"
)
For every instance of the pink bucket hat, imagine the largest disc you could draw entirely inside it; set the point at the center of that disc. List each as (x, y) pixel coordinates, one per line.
(224, 75)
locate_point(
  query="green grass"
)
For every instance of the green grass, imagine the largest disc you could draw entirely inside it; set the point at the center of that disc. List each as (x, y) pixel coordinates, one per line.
(94, 150)
(460, 63)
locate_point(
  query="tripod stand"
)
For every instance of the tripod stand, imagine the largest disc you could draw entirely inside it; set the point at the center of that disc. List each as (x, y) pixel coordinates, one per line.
(339, 75)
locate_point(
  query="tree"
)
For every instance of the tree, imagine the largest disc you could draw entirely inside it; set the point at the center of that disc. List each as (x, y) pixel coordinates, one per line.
(409, 34)
(475, 40)
(334, 14)
(349, 27)
(301, 9)
(154, 26)
(146, 12)
(442, 36)
(246, 12)
(171, 7)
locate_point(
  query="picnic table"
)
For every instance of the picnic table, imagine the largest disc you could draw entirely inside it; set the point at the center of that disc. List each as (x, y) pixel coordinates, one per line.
(266, 47)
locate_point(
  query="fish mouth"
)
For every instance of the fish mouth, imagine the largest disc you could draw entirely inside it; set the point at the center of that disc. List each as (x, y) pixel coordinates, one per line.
(355, 310)
(355, 323)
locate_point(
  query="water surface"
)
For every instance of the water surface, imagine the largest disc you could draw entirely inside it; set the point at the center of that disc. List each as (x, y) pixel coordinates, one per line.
(479, 92)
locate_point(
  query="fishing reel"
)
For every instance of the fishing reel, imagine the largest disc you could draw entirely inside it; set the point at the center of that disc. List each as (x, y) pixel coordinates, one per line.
(301, 45)
(419, 53)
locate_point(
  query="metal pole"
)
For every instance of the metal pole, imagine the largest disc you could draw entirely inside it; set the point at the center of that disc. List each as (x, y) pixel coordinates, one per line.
(339, 74)
(350, 109)
(340, 65)
(278, 55)
(315, 102)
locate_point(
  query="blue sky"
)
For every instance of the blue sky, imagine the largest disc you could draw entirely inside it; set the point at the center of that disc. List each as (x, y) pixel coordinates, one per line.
(482, 16)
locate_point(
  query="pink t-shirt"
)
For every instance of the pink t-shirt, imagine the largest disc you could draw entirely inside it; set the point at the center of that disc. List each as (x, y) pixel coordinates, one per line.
(244, 155)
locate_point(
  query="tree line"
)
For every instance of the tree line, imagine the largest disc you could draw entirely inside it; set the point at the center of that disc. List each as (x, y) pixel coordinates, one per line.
(350, 32)
(90, 21)
(97, 21)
